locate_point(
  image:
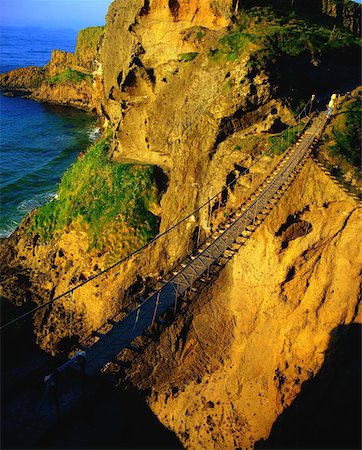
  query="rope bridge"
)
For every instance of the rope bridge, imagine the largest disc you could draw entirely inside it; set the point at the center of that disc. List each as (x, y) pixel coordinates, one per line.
(169, 295)
(123, 332)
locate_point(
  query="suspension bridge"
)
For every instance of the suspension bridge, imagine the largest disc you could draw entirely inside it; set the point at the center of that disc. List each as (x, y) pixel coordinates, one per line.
(117, 334)
(121, 334)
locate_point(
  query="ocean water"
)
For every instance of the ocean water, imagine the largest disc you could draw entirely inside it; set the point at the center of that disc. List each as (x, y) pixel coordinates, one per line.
(38, 141)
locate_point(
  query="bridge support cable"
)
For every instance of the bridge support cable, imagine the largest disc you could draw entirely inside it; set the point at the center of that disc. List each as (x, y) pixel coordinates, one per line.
(209, 204)
(144, 316)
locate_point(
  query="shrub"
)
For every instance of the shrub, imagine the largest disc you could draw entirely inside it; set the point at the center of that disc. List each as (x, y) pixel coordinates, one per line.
(282, 141)
(346, 134)
(275, 33)
(89, 38)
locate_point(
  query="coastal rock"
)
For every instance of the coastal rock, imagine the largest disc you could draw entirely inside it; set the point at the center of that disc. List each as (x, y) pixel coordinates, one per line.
(27, 79)
(220, 375)
(59, 61)
(89, 43)
(223, 372)
(68, 79)
(169, 103)
(347, 13)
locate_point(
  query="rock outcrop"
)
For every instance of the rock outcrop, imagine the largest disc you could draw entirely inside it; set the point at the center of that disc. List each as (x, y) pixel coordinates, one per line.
(222, 373)
(228, 366)
(68, 79)
(347, 13)
(23, 79)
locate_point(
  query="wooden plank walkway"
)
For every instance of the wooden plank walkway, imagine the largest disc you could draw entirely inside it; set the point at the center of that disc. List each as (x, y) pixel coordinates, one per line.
(124, 332)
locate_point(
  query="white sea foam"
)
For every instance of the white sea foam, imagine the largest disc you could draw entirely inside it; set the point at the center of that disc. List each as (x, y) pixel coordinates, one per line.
(38, 200)
(94, 134)
(8, 228)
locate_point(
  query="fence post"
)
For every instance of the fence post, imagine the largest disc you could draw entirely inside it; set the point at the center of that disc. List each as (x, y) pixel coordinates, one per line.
(311, 104)
(82, 363)
(219, 205)
(209, 214)
(176, 295)
(71, 314)
(156, 306)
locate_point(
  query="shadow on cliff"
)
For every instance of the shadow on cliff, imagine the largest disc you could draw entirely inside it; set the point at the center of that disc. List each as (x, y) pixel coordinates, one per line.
(110, 418)
(327, 412)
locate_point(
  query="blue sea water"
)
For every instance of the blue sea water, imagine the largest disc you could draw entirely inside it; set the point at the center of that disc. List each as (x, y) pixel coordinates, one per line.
(38, 141)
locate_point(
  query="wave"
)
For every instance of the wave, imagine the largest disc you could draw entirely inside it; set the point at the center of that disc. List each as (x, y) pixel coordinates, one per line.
(38, 200)
(94, 134)
(10, 222)
(8, 228)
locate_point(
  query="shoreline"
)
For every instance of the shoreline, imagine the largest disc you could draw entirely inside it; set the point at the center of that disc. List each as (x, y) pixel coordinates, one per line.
(21, 195)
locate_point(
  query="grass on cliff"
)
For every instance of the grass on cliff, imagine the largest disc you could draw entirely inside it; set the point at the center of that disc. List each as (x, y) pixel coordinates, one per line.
(107, 200)
(269, 33)
(343, 139)
(281, 142)
(70, 76)
(186, 57)
(89, 38)
(89, 42)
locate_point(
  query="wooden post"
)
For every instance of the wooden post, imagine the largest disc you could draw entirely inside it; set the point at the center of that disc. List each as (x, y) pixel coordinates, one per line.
(256, 204)
(219, 205)
(72, 307)
(175, 307)
(54, 389)
(156, 306)
(311, 104)
(209, 215)
(198, 236)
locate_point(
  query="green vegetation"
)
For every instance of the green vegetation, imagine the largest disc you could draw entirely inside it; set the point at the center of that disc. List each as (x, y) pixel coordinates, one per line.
(70, 76)
(282, 141)
(199, 35)
(89, 38)
(236, 42)
(343, 138)
(88, 43)
(188, 56)
(233, 45)
(251, 145)
(109, 201)
(270, 34)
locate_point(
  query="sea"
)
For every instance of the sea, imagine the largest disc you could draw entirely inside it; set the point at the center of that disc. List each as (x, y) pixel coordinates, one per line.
(38, 141)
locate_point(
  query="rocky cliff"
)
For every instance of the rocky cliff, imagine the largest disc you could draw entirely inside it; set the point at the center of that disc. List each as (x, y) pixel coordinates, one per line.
(223, 372)
(184, 88)
(68, 79)
(347, 13)
(199, 90)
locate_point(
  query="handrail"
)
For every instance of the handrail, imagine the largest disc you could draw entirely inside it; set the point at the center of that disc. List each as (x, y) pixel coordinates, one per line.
(158, 236)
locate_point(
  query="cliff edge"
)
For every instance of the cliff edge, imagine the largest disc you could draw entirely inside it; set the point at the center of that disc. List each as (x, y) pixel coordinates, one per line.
(191, 94)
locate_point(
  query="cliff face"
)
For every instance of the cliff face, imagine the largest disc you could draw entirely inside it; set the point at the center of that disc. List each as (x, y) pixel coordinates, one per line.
(178, 87)
(223, 372)
(176, 93)
(347, 13)
(168, 102)
(171, 102)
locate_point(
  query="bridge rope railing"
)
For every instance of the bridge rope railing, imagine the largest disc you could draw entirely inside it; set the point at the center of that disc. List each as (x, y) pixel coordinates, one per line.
(211, 201)
(121, 336)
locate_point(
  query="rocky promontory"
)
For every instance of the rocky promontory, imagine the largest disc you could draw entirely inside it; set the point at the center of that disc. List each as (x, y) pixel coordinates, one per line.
(68, 79)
